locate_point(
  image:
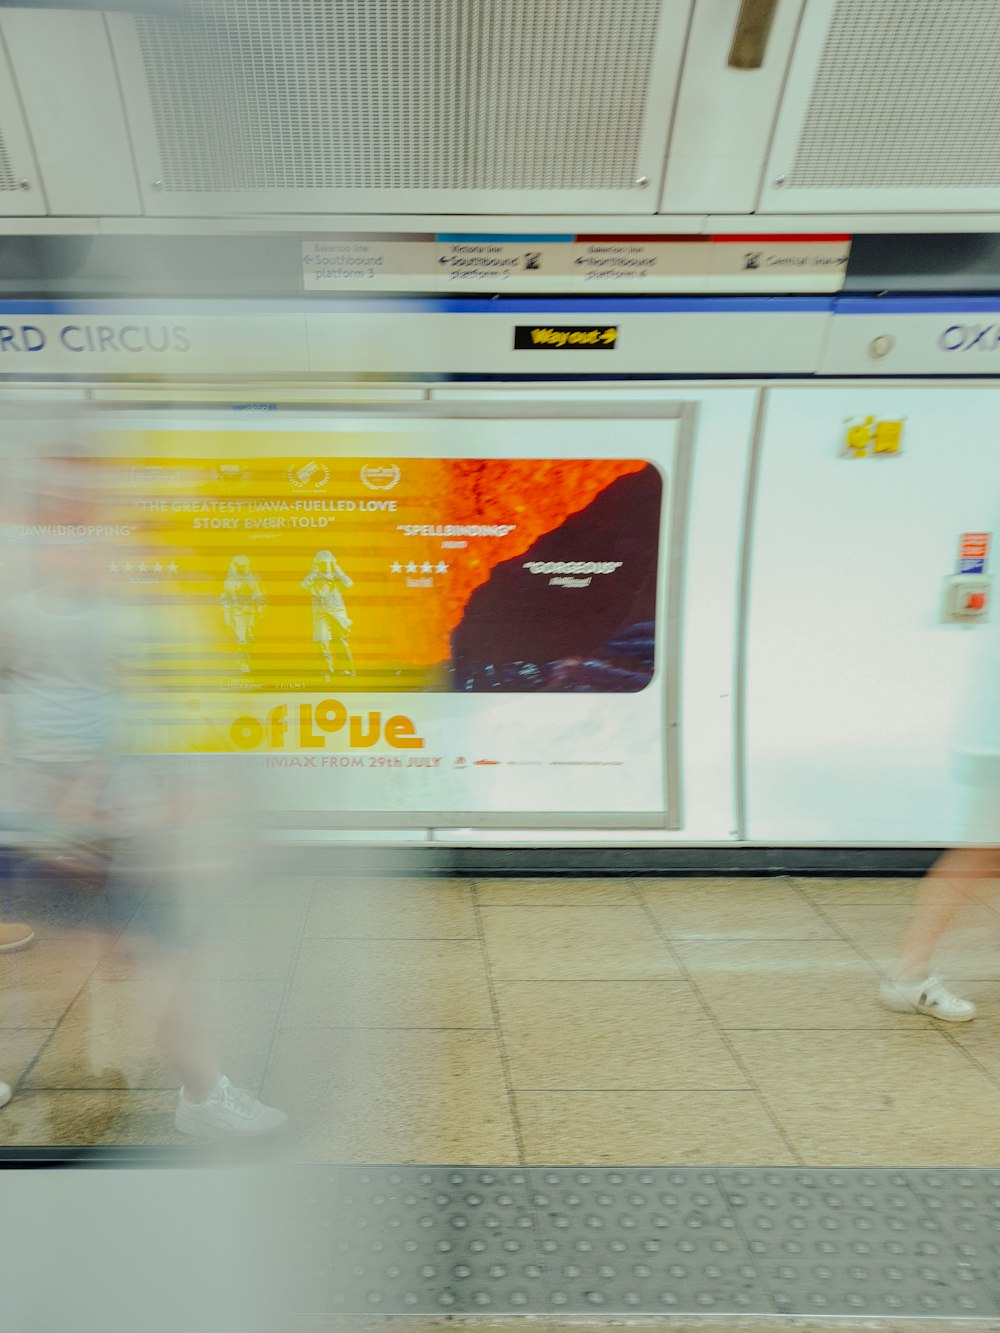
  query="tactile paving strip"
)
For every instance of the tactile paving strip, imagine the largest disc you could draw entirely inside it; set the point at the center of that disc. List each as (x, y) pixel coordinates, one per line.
(633, 1240)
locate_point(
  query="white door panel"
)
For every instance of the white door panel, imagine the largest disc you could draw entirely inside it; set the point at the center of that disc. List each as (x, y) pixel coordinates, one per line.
(853, 683)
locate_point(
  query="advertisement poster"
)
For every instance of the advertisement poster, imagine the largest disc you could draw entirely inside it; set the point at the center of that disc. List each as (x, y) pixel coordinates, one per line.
(394, 632)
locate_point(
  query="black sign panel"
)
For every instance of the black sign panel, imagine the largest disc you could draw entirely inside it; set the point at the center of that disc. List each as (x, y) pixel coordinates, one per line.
(575, 338)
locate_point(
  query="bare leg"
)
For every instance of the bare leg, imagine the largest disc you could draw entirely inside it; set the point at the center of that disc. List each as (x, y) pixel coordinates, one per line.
(185, 1042)
(943, 893)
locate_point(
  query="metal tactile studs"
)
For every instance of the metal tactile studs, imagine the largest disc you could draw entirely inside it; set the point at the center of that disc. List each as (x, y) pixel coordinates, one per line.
(630, 1241)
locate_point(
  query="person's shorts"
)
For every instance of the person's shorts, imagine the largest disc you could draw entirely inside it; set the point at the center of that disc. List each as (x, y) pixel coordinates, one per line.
(117, 858)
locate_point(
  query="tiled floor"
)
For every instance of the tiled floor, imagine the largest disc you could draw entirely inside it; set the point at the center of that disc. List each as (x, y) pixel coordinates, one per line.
(555, 1021)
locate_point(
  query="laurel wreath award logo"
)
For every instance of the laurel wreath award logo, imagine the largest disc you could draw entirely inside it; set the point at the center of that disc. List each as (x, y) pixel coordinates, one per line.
(381, 478)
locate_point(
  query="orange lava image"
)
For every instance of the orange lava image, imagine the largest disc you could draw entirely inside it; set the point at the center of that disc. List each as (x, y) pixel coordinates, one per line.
(535, 494)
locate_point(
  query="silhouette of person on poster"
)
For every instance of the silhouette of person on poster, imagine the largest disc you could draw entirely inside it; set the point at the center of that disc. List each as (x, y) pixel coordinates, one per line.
(331, 623)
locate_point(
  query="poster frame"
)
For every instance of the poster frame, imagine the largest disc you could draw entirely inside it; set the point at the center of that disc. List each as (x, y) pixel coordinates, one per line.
(672, 558)
(672, 568)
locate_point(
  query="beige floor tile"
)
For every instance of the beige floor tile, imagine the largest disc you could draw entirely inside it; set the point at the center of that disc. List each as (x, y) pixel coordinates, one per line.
(74, 1118)
(970, 948)
(986, 891)
(313, 884)
(899, 892)
(63, 943)
(56, 949)
(252, 923)
(651, 1128)
(18, 1048)
(228, 961)
(982, 1051)
(876, 1098)
(875, 930)
(741, 909)
(38, 984)
(106, 1040)
(788, 984)
(390, 983)
(575, 944)
(253, 941)
(291, 891)
(979, 1038)
(687, 884)
(108, 1037)
(554, 891)
(611, 1034)
(393, 1096)
(394, 909)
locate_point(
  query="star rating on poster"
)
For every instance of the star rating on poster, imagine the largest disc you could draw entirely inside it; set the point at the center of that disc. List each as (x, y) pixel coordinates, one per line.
(142, 567)
(428, 567)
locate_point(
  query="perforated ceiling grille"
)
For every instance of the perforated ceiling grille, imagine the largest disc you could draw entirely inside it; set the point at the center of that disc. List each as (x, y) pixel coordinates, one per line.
(8, 181)
(400, 94)
(908, 96)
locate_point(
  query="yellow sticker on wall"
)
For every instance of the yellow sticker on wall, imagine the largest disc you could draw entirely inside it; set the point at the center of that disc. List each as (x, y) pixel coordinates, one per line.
(870, 437)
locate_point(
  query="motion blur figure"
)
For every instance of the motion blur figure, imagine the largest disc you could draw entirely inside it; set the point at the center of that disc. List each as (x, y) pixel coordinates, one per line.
(157, 832)
(912, 985)
(115, 846)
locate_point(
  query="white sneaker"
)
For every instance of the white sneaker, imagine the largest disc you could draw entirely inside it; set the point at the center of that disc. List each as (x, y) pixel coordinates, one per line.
(229, 1113)
(929, 996)
(5, 1094)
(17, 936)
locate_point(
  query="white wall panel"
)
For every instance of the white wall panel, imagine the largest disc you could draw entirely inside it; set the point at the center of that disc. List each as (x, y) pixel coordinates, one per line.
(682, 338)
(935, 335)
(22, 192)
(67, 82)
(853, 684)
(724, 118)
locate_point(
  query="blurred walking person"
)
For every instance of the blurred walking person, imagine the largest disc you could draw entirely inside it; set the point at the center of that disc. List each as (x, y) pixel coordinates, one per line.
(143, 828)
